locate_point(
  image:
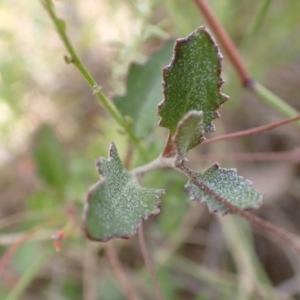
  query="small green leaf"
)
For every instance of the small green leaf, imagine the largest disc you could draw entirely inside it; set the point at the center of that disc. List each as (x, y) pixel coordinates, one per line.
(189, 133)
(50, 158)
(224, 182)
(192, 81)
(144, 92)
(117, 204)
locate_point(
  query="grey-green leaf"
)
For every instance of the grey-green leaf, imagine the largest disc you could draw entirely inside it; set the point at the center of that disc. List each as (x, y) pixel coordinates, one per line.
(224, 182)
(144, 92)
(117, 204)
(192, 81)
(189, 133)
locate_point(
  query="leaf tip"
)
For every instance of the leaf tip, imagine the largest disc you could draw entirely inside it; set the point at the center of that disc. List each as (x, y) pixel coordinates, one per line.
(112, 149)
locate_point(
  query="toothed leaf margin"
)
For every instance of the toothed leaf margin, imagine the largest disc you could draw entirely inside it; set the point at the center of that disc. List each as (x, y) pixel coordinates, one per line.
(227, 184)
(116, 205)
(192, 81)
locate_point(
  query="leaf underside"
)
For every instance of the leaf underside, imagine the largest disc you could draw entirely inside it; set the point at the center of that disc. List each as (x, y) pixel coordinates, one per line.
(189, 133)
(143, 87)
(117, 204)
(192, 81)
(224, 182)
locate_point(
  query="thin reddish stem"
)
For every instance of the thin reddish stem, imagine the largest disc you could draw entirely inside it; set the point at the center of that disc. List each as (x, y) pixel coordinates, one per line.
(251, 131)
(225, 41)
(148, 262)
(169, 147)
(288, 156)
(12, 249)
(116, 264)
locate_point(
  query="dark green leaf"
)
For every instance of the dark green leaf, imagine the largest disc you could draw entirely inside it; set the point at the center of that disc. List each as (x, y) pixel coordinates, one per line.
(117, 204)
(224, 182)
(144, 92)
(50, 158)
(192, 81)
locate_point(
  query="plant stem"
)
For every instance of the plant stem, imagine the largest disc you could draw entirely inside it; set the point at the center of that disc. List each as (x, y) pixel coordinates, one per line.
(251, 131)
(60, 27)
(253, 28)
(148, 262)
(116, 264)
(237, 62)
(89, 266)
(158, 163)
(274, 101)
(169, 147)
(287, 156)
(290, 239)
(108, 104)
(28, 276)
(20, 237)
(13, 248)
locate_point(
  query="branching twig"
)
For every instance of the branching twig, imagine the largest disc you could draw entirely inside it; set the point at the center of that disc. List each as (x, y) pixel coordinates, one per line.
(158, 163)
(116, 264)
(148, 262)
(180, 165)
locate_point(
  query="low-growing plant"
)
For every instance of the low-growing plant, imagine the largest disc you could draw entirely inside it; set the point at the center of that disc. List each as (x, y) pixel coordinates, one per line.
(118, 203)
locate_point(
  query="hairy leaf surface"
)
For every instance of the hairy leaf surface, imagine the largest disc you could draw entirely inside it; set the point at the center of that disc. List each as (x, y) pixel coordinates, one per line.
(189, 133)
(144, 92)
(117, 203)
(224, 182)
(192, 81)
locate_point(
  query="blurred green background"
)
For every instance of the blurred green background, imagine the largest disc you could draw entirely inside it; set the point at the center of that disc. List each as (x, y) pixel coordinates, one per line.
(52, 129)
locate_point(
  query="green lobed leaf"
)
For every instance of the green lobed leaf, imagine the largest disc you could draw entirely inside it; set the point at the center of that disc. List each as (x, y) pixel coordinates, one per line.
(50, 158)
(189, 133)
(116, 205)
(144, 91)
(224, 182)
(192, 81)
